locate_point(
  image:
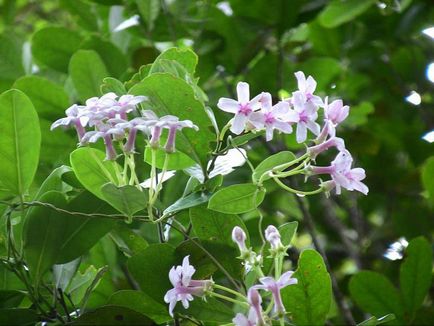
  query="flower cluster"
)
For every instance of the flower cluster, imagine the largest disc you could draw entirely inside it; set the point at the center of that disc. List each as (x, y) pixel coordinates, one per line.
(184, 288)
(107, 117)
(299, 112)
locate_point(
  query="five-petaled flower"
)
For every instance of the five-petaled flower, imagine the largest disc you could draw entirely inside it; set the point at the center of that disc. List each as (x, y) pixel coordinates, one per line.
(342, 174)
(270, 284)
(184, 288)
(242, 108)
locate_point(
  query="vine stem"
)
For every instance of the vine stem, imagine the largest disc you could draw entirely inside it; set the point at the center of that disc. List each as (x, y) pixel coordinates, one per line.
(223, 297)
(224, 288)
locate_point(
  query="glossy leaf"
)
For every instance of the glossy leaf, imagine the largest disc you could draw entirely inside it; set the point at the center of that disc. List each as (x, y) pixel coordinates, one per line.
(340, 12)
(287, 232)
(19, 142)
(54, 46)
(177, 160)
(18, 316)
(309, 300)
(416, 274)
(269, 163)
(149, 11)
(237, 199)
(171, 95)
(113, 315)
(126, 199)
(373, 321)
(192, 200)
(92, 170)
(87, 72)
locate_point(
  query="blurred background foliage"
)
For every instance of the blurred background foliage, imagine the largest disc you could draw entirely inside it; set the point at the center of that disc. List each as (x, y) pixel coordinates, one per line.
(373, 54)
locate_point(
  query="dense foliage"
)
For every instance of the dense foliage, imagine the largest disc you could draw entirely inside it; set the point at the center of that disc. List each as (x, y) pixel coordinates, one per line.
(217, 177)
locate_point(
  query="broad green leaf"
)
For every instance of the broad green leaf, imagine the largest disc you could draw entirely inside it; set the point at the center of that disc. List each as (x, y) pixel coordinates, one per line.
(171, 95)
(153, 277)
(269, 163)
(126, 199)
(113, 315)
(54, 182)
(83, 12)
(63, 273)
(87, 72)
(54, 46)
(339, 12)
(81, 233)
(19, 142)
(142, 303)
(43, 234)
(428, 177)
(92, 170)
(359, 114)
(325, 70)
(110, 84)
(185, 57)
(127, 240)
(11, 298)
(237, 199)
(211, 311)
(149, 11)
(18, 316)
(309, 300)
(287, 232)
(189, 201)
(8, 280)
(374, 321)
(177, 160)
(111, 55)
(11, 66)
(416, 274)
(50, 100)
(214, 226)
(80, 283)
(374, 293)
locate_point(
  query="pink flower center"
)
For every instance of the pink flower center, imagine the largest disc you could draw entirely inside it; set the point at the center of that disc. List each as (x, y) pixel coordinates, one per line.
(303, 117)
(269, 118)
(245, 109)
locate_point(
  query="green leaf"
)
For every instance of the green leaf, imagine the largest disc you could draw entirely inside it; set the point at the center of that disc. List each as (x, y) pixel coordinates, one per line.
(113, 315)
(374, 321)
(142, 303)
(19, 142)
(177, 160)
(18, 316)
(63, 273)
(287, 232)
(11, 298)
(152, 276)
(127, 240)
(50, 100)
(111, 55)
(81, 233)
(374, 293)
(269, 163)
(171, 95)
(185, 57)
(189, 201)
(428, 177)
(54, 46)
(212, 311)
(54, 182)
(83, 12)
(237, 199)
(126, 199)
(309, 301)
(359, 114)
(11, 66)
(416, 274)
(92, 170)
(149, 11)
(87, 72)
(339, 12)
(43, 234)
(214, 226)
(324, 69)
(110, 84)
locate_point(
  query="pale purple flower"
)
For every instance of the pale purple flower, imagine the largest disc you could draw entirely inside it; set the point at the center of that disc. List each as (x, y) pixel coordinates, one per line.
(73, 118)
(241, 320)
(105, 132)
(134, 125)
(307, 87)
(243, 107)
(337, 142)
(272, 235)
(173, 124)
(184, 288)
(304, 114)
(239, 237)
(342, 174)
(255, 301)
(270, 284)
(334, 114)
(272, 117)
(126, 104)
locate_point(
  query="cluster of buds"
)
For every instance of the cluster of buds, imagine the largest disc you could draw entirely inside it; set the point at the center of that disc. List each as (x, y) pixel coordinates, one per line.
(300, 111)
(116, 120)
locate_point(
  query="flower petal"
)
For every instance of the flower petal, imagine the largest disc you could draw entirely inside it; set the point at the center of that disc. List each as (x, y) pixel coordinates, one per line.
(243, 92)
(228, 105)
(238, 124)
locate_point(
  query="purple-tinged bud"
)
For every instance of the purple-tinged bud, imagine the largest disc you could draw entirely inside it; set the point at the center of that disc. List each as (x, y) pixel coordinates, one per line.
(155, 138)
(255, 301)
(129, 146)
(272, 235)
(110, 150)
(170, 143)
(239, 237)
(314, 151)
